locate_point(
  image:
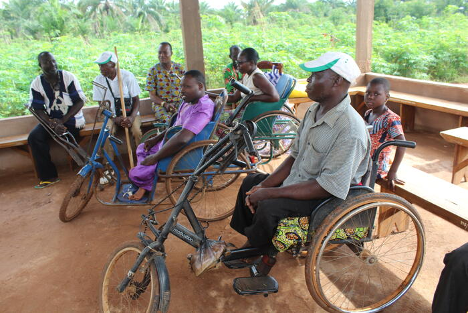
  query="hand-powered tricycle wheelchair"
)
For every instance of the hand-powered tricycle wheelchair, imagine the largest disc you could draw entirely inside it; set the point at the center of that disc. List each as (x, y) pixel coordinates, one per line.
(175, 170)
(363, 253)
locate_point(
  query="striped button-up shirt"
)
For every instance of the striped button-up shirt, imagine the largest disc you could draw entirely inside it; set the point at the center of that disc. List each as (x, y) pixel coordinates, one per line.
(333, 150)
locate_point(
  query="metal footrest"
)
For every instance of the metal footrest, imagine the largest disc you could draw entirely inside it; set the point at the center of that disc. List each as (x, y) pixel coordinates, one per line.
(238, 264)
(255, 285)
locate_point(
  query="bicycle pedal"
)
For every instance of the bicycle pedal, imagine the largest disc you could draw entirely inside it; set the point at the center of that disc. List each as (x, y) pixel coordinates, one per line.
(263, 285)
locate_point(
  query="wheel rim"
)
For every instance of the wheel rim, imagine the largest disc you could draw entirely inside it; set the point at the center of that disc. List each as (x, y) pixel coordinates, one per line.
(275, 133)
(140, 293)
(214, 195)
(78, 196)
(374, 276)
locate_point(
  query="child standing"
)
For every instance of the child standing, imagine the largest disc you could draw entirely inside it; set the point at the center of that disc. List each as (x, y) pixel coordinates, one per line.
(386, 125)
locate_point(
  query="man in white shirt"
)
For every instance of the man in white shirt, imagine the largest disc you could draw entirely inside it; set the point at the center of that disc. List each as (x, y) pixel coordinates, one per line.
(131, 91)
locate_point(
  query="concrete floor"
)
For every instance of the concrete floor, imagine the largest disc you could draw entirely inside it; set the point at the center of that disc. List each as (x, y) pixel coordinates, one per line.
(49, 266)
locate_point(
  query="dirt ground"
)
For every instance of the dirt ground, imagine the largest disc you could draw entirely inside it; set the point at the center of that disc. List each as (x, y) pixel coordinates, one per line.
(49, 266)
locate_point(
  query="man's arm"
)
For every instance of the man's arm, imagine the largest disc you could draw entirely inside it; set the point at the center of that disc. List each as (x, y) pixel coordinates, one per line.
(74, 109)
(172, 146)
(131, 117)
(306, 190)
(155, 98)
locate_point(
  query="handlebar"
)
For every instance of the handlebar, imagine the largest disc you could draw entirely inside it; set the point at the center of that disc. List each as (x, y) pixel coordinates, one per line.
(375, 156)
(398, 143)
(234, 83)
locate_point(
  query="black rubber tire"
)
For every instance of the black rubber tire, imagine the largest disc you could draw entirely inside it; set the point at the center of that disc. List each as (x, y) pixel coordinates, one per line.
(369, 275)
(78, 196)
(157, 300)
(210, 203)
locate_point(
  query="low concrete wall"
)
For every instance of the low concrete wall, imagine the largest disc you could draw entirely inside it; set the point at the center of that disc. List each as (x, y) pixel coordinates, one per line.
(425, 120)
(11, 162)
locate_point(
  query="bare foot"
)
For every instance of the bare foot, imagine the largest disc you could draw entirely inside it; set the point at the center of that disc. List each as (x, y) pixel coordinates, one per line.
(138, 194)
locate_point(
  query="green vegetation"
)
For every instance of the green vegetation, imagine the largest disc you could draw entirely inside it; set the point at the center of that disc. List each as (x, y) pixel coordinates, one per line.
(425, 39)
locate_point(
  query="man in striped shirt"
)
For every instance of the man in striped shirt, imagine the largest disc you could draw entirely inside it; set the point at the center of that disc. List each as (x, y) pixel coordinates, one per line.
(329, 154)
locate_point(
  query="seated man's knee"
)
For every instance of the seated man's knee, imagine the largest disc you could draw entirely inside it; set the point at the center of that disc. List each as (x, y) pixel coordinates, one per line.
(458, 258)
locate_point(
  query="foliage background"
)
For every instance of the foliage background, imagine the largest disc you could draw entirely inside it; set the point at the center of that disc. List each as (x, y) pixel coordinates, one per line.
(425, 39)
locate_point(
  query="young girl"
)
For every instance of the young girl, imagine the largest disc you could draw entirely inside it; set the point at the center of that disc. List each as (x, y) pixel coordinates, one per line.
(386, 125)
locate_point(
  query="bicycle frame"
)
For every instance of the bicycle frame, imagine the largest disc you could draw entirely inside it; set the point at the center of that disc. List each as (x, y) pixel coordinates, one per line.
(92, 164)
(237, 140)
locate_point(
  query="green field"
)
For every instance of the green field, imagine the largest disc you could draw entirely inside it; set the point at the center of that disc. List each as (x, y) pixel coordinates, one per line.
(432, 48)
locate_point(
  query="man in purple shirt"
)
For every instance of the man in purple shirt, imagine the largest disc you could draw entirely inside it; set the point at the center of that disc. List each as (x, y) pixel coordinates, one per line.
(194, 114)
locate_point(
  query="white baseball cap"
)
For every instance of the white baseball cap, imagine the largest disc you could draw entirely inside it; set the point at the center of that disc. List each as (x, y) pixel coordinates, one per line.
(339, 62)
(106, 57)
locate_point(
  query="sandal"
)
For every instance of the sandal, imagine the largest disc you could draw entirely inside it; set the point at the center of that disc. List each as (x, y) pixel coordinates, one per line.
(46, 183)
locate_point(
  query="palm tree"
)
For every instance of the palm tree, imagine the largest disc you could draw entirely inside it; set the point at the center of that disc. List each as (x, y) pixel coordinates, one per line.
(231, 13)
(100, 10)
(256, 10)
(146, 12)
(18, 14)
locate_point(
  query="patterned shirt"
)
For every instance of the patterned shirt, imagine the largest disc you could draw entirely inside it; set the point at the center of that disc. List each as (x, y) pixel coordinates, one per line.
(230, 72)
(166, 83)
(333, 150)
(57, 102)
(386, 127)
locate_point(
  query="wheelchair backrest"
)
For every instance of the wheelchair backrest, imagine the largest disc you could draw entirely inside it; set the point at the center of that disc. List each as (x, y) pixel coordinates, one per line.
(205, 134)
(284, 88)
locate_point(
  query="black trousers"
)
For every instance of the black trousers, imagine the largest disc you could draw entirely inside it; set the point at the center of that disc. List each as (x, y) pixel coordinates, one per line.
(451, 295)
(260, 227)
(38, 140)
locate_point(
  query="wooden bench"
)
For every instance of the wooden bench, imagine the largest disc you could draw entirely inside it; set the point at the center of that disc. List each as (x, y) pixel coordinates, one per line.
(433, 194)
(458, 136)
(408, 103)
(18, 143)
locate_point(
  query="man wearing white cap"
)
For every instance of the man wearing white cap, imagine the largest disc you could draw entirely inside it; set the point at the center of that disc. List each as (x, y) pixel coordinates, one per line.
(329, 154)
(131, 91)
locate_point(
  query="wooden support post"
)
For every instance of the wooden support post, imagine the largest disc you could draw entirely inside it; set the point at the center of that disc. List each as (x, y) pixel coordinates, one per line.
(191, 31)
(462, 121)
(460, 165)
(407, 114)
(364, 19)
(390, 220)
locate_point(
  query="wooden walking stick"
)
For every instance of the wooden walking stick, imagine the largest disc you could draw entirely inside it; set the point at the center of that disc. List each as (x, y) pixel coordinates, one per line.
(124, 113)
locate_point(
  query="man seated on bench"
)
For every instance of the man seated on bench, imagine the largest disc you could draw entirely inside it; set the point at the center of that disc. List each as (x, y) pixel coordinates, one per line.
(194, 114)
(57, 98)
(330, 153)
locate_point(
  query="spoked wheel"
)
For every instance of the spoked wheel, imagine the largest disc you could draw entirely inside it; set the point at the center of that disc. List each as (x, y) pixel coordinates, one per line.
(148, 290)
(214, 195)
(276, 131)
(78, 196)
(360, 275)
(149, 134)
